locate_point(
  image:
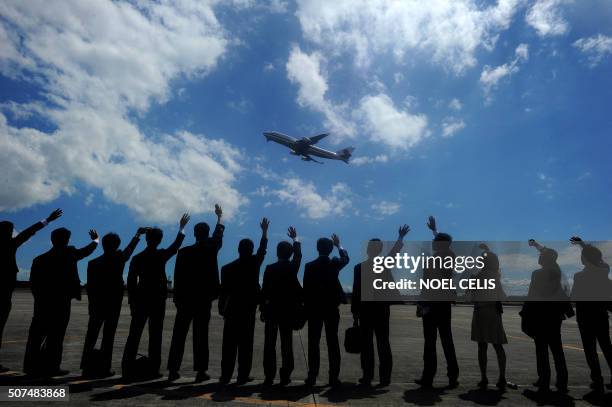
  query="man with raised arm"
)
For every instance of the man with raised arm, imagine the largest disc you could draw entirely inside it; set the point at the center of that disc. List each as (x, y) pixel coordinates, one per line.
(54, 280)
(238, 300)
(8, 263)
(105, 288)
(147, 293)
(592, 292)
(196, 286)
(323, 295)
(435, 311)
(373, 316)
(280, 304)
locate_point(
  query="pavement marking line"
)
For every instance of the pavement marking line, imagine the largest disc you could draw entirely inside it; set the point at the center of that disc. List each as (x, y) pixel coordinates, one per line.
(314, 398)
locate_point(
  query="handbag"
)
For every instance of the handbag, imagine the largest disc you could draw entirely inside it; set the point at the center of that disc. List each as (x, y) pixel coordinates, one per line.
(352, 339)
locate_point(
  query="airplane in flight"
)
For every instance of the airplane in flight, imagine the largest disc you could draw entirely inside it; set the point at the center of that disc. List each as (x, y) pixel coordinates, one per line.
(305, 147)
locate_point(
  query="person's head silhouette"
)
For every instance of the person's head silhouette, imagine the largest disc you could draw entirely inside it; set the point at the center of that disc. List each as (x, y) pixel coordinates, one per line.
(60, 237)
(374, 248)
(548, 258)
(6, 231)
(284, 250)
(245, 248)
(441, 241)
(201, 231)
(591, 256)
(154, 237)
(325, 246)
(111, 242)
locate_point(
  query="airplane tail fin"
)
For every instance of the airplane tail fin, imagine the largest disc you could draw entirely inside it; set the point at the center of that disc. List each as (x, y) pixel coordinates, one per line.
(345, 154)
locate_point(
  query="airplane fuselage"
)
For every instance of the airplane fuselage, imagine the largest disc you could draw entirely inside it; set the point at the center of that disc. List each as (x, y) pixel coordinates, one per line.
(304, 147)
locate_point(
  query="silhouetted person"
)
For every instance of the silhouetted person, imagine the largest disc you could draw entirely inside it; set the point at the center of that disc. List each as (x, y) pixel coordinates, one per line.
(373, 316)
(147, 292)
(196, 286)
(487, 323)
(54, 280)
(240, 295)
(105, 296)
(592, 293)
(281, 299)
(8, 263)
(322, 295)
(546, 307)
(435, 311)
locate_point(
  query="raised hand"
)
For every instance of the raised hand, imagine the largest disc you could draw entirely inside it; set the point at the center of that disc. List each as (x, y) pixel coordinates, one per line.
(93, 234)
(575, 240)
(184, 220)
(292, 233)
(142, 230)
(265, 223)
(54, 215)
(218, 211)
(532, 243)
(335, 239)
(431, 224)
(403, 231)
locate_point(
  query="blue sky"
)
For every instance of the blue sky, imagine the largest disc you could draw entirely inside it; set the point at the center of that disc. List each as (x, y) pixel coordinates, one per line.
(493, 116)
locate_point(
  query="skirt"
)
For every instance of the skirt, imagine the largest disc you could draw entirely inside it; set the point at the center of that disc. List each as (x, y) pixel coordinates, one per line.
(487, 325)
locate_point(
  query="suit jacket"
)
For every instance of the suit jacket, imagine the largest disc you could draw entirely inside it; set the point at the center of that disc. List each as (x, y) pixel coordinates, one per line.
(281, 293)
(592, 291)
(322, 288)
(8, 250)
(54, 275)
(240, 289)
(105, 277)
(364, 271)
(196, 272)
(147, 279)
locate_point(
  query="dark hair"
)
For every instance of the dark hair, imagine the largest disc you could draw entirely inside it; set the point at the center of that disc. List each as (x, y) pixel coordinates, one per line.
(6, 230)
(374, 248)
(592, 255)
(284, 250)
(443, 237)
(325, 246)
(245, 247)
(201, 230)
(60, 237)
(111, 242)
(154, 236)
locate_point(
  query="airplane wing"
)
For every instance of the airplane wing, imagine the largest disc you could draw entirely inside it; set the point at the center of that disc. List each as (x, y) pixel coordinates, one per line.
(316, 139)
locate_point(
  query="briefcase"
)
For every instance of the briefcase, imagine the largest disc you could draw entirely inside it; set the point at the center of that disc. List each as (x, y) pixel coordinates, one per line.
(352, 339)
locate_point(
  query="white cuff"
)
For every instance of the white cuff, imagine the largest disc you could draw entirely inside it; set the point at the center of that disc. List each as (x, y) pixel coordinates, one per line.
(181, 231)
(97, 240)
(44, 222)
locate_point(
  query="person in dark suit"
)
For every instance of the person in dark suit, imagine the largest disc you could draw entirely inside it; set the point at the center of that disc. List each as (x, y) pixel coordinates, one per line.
(240, 294)
(435, 311)
(54, 280)
(592, 292)
(105, 296)
(147, 292)
(546, 307)
(323, 294)
(373, 316)
(8, 263)
(281, 298)
(196, 286)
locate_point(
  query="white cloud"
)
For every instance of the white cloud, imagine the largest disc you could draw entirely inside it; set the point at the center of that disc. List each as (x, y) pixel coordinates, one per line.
(546, 17)
(451, 125)
(98, 62)
(490, 76)
(398, 129)
(386, 208)
(304, 196)
(363, 160)
(305, 70)
(447, 32)
(455, 104)
(596, 48)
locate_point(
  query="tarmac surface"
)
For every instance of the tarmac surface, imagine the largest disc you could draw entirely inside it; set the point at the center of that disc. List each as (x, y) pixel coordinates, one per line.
(406, 342)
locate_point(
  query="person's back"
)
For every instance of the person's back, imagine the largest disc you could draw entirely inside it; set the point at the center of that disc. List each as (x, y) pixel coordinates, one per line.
(54, 274)
(105, 275)
(322, 288)
(150, 267)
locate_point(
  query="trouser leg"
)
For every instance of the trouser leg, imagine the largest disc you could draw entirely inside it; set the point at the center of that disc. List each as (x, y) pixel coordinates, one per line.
(315, 326)
(108, 335)
(137, 324)
(93, 329)
(179, 336)
(229, 347)
(270, 333)
(286, 339)
(57, 332)
(201, 321)
(430, 358)
(156, 328)
(556, 348)
(32, 361)
(589, 344)
(385, 357)
(542, 361)
(367, 348)
(333, 346)
(245, 345)
(446, 338)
